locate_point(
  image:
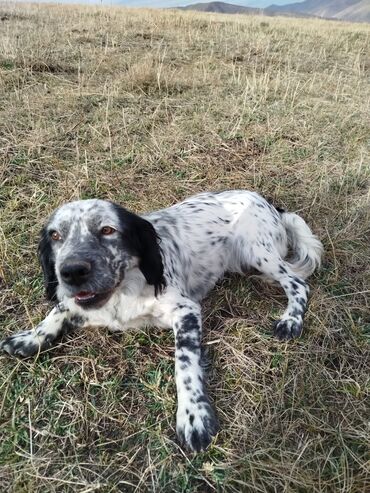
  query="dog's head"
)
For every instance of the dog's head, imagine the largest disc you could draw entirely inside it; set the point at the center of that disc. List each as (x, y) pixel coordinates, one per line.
(88, 246)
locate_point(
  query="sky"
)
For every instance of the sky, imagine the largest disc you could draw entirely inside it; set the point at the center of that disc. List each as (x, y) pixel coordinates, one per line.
(173, 3)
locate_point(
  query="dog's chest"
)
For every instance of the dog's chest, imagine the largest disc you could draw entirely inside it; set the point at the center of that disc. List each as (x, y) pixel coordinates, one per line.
(132, 312)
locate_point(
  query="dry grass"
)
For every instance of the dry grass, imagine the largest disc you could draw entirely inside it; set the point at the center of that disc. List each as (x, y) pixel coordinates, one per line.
(145, 108)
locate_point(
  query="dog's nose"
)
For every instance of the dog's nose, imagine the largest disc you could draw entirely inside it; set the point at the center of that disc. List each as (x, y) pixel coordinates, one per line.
(75, 273)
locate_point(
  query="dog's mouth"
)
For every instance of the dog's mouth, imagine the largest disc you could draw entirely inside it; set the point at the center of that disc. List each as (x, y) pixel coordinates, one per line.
(92, 298)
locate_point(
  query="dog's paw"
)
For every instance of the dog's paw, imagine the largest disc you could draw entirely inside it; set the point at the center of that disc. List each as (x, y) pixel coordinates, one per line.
(26, 343)
(289, 328)
(196, 425)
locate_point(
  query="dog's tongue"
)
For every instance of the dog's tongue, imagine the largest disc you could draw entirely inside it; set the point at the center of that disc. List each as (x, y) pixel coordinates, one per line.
(84, 295)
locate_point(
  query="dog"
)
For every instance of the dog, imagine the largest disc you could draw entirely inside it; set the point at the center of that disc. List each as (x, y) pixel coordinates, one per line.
(105, 266)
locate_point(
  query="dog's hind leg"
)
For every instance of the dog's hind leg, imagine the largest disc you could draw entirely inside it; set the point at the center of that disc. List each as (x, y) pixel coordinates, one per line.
(296, 289)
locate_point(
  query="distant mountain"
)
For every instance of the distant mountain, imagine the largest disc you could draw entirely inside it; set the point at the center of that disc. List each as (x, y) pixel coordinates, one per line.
(229, 8)
(221, 8)
(349, 10)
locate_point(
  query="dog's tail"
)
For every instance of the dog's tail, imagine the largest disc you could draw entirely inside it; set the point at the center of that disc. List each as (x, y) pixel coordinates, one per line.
(306, 248)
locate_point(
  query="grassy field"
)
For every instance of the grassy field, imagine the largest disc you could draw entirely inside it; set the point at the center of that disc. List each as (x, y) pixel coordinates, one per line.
(146, 108)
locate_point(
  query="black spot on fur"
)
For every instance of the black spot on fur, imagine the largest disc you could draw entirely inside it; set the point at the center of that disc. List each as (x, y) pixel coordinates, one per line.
(188, 343)
(301, 301)
(295, 313)
(299, 281)
(70, 324)
(203, 398)
(184, 359)
(189, 323)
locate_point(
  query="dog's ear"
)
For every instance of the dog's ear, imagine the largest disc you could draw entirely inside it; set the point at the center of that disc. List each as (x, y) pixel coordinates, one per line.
(48, 265)
(142, 239)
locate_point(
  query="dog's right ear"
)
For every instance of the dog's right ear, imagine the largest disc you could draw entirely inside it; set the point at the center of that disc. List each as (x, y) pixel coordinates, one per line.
(141, 238)
(48, 265)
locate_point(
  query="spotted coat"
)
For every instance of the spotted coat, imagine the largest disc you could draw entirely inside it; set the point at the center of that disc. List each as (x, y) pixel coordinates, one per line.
(105, 266)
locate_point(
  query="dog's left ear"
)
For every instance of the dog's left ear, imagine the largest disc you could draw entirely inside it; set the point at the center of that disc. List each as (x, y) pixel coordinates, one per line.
(48, 265)
(143, 240)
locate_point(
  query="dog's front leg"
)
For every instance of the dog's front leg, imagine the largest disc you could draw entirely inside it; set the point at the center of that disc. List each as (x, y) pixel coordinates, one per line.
(196, 420)
(29, 342)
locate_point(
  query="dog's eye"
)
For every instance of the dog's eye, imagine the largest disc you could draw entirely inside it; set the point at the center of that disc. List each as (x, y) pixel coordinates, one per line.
(55, 236)
(107, 230)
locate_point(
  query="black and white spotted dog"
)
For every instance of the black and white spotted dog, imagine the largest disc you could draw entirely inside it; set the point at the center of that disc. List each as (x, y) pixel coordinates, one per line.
(108, 267)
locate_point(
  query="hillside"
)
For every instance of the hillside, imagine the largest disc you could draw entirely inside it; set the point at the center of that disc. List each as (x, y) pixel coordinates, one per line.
(144, 108)
(350, 10)
(220, 7)
(229, 8)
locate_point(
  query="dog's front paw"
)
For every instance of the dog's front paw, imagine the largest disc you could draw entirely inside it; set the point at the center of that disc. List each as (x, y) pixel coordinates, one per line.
(286, 329)
(24, 344)
(196, 425)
